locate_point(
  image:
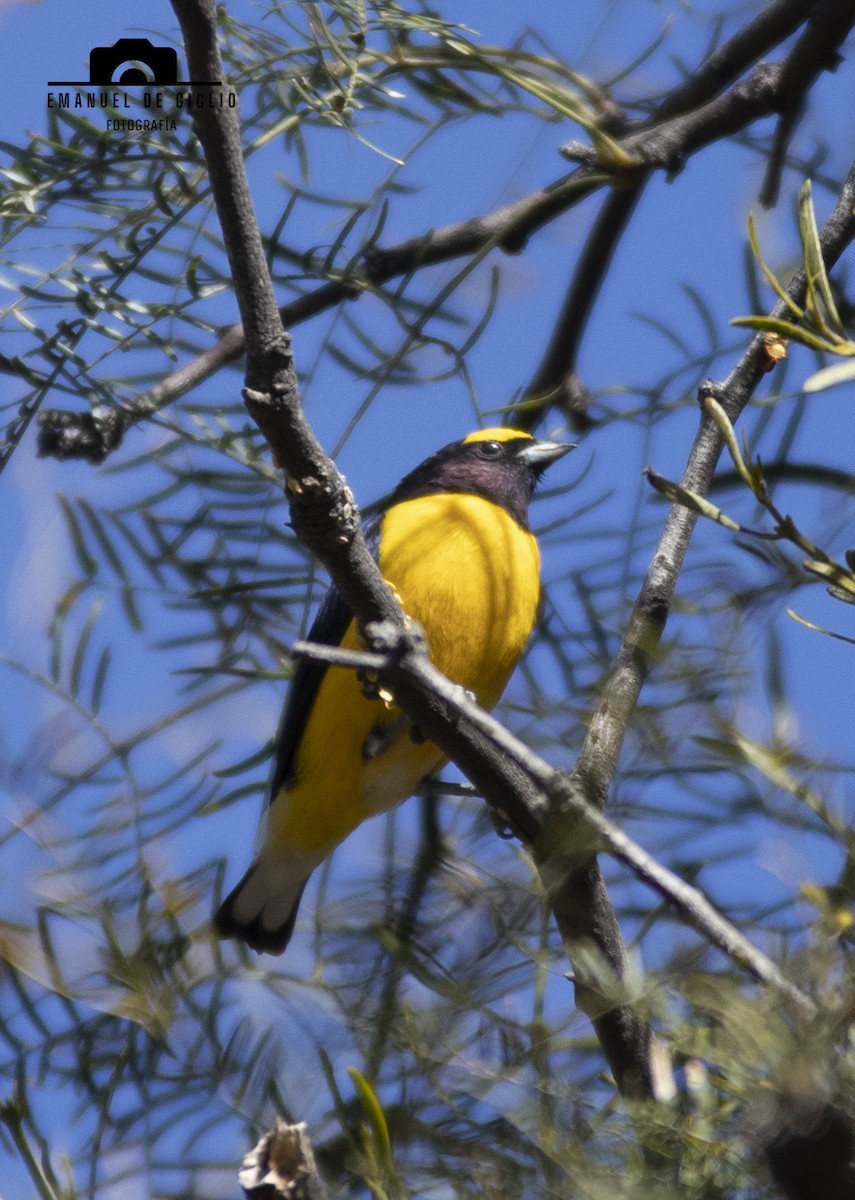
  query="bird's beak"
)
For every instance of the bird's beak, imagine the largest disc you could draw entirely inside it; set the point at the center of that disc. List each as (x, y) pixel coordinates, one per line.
(540, 455)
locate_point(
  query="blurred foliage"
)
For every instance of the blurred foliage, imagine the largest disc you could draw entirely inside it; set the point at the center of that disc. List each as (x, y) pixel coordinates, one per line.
(142, 1057)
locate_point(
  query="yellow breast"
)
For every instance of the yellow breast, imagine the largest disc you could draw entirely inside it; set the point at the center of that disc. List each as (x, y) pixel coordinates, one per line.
(474, 586)
(467, 572)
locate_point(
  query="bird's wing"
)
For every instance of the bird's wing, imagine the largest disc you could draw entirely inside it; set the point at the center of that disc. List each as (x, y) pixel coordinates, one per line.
(328, 628)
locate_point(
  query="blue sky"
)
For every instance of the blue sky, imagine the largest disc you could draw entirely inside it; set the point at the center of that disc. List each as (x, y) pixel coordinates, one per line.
(687, 232)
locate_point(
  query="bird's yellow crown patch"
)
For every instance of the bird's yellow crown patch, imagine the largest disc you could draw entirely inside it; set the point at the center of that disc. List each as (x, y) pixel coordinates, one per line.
(502, 434)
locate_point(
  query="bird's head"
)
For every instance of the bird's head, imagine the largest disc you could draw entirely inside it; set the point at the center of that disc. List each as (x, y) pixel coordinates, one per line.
(502, 465)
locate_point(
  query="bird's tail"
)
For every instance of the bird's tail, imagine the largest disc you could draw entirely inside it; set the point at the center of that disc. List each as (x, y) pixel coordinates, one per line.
(262, 909)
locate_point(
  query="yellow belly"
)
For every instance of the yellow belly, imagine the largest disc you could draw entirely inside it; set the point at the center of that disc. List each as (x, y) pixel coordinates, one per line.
(475, 591)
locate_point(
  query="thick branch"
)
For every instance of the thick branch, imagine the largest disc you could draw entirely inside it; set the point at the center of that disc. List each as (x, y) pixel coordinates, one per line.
(563, 822)
(326, 521)
(725, 65)
(664, 144)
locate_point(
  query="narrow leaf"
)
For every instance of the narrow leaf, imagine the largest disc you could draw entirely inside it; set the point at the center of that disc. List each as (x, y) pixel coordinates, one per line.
(817, 277)
(79, 657)
(829, 377)
(374, 1114)
(840, 637)
(795, 333)
(771, 278)
(689, 499)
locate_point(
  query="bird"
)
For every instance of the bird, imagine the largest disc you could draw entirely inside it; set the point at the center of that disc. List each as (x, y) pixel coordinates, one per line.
(454, 541)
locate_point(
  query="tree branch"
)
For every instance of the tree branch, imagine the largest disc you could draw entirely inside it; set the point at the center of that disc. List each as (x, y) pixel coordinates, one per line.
(578, 900)
(555, 383)
(563, 821)
(598, 760)
(326, 520)
(770, 88)
(724, 66)
(64, 434)
(665, 143)
(821, 40)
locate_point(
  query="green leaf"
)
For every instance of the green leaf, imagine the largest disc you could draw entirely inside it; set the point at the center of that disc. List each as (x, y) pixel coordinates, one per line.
(829, 377)
(749, 475)
(771, 278)
(840, 637)
(129, 603)
(374, 1113)
(795, 333)
(817, 278)
(689, 499)
(87, 563)
(100, 679)
(103, 538)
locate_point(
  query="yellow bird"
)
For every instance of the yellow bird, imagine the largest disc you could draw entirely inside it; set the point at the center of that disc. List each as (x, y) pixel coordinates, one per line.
(455, 542)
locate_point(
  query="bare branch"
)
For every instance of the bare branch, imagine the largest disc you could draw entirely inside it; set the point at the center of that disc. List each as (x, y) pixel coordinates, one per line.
(565, 824)
(665, 143)
(598, 760)
(326, 520)
(555, 383)
(724, 66)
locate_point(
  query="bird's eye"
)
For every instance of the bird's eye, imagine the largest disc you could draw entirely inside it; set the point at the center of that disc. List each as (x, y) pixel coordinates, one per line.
(491, 449)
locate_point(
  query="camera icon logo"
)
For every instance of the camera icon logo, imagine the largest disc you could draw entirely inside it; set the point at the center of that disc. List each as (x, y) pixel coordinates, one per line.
(131, 61)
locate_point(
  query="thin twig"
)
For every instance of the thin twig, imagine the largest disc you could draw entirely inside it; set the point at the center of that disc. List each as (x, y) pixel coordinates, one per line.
(326, 520)
(598, 760)
(557, 841)
(555, 383)
(666, 144)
